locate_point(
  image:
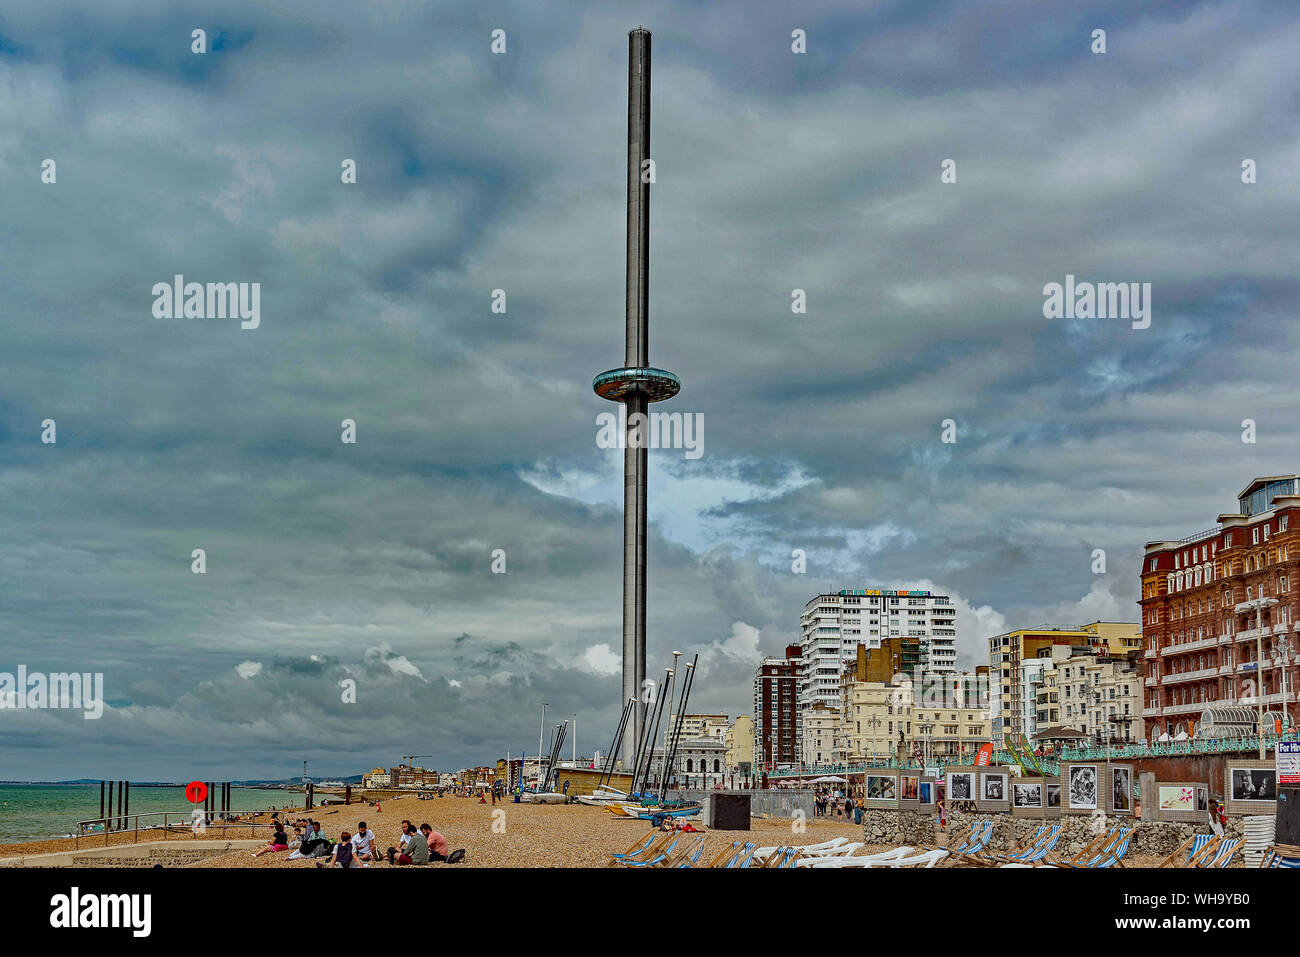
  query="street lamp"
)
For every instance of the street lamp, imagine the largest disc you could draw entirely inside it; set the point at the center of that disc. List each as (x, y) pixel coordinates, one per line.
(1284, 656)
(1257, 605)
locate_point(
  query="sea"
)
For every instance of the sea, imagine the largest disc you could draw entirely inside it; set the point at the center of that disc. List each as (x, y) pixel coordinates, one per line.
(37, 812)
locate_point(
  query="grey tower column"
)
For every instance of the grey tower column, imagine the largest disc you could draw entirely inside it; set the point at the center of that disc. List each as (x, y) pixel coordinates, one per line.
(637, 357)
(636, 385)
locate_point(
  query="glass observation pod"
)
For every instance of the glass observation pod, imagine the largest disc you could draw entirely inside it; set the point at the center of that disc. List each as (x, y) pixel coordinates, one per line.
(618, 383)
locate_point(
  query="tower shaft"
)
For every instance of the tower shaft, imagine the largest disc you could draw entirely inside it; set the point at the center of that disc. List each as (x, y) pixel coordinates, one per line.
(637, 357)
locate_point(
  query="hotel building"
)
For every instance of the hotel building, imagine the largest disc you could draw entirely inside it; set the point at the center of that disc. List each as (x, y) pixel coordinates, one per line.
(1218, 613)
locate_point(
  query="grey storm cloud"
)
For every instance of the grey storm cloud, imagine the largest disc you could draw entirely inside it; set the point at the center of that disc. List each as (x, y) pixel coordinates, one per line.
(476, 431)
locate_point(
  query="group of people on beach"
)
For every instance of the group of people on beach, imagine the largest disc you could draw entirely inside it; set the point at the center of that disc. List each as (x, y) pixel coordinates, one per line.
(834, 804)
(420, 845)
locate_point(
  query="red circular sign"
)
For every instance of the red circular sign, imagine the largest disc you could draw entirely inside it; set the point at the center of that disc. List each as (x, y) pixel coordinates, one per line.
(196, 791)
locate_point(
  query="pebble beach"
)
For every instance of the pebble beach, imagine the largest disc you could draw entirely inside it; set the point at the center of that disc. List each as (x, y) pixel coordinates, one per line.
(527, 835)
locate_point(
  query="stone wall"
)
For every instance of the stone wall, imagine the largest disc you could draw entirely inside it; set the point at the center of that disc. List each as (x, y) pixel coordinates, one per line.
(921, 829)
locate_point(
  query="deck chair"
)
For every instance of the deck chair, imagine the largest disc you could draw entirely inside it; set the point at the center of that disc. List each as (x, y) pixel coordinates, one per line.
(969, 839)
(649, 850)
(788, 859)
(691, 856)
(1111, 853)
(657, 858)
(1089, 850)
(1042, 845)
(975, 847)
(1186, 851)
(742, 857)
(987, 856)
(771, 859)
(1220, 854)
(1281, 855)
(684, 851)
(640, 847)
(778, 860)
(724, 855)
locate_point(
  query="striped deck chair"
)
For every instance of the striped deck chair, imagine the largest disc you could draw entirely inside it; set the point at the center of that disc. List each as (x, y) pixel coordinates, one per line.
(1087, 853)
(971, 852)
(1093, 857)
(1113, 855)
(1281, 856)
(1015, 850)
(792, 854)
(1220, 855)
(684, 851)
(724, 855)
(647, 849)
(658, 857)
(691, 857)
(969, 839)
(1189, 849)
(772, 859)
(743, 858)
(1036, 851)
(780, 859)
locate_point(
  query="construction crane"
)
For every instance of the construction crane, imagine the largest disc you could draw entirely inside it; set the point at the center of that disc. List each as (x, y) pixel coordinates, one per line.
(409, 758)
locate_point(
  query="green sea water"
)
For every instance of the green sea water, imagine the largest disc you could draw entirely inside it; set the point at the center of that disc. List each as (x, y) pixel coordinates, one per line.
(33, 812)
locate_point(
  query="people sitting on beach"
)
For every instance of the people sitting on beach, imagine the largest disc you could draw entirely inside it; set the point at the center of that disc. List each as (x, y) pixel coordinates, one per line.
(362, 841)
(438, 849)
(415, 849)
(405, 836)
(342, 855)
(314, 842)
(279, 841)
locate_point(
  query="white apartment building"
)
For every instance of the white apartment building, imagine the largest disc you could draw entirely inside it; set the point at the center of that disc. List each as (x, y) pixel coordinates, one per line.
(834, 624)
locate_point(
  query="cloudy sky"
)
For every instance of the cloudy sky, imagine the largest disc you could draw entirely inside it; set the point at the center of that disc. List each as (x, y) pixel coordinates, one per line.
(476, 430)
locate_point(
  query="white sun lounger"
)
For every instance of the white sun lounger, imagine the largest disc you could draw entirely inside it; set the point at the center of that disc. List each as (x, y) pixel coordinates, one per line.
(866, 860)
(834, 846)
(928, 859)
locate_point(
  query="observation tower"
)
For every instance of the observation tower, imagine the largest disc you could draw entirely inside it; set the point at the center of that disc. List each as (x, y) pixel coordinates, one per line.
(637, 383)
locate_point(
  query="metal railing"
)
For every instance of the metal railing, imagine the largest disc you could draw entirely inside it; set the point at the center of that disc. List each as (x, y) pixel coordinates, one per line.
(172, 822)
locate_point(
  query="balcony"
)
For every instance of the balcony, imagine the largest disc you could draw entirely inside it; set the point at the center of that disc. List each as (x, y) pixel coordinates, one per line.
(1191, 675)
(1152, 682)
(1149, 653)
(1225, 639)
(1199, 643)
(1225, 669)
(1195, 707)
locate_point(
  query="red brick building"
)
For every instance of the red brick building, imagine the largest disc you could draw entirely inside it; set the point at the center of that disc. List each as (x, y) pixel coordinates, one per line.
(1209, 601)
(776, 710)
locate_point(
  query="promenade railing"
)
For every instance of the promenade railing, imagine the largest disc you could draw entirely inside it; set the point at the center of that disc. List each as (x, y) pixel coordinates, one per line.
(167, 823)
